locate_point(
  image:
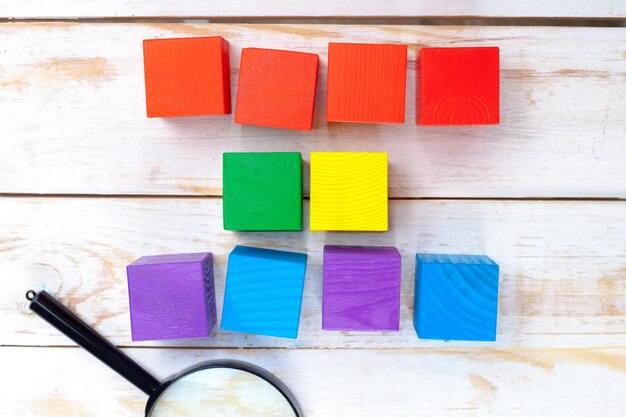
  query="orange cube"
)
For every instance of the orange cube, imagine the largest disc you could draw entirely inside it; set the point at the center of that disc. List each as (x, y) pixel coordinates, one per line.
(366, 83)
(186, 76)
(276, 88)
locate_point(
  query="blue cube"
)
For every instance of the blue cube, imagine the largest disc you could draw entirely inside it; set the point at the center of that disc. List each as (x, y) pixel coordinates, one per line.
(263, 291)
(456, 297)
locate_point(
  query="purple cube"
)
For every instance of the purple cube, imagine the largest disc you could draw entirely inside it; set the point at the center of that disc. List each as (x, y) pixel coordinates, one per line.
(361, 288)
(171, 296)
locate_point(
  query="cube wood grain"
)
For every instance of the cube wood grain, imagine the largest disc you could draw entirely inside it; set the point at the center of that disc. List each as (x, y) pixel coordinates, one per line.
(349, 191)
(262, 191)
(456, 297)
(361, 288)
(171, 296)
(276, 88)
(458, 86)
(264, 291)
(366, 83)
(187, 76)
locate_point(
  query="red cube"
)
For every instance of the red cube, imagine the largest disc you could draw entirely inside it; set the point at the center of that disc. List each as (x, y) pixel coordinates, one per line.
(276, 88)
(458, 86)
(186, 76)
(366, 83)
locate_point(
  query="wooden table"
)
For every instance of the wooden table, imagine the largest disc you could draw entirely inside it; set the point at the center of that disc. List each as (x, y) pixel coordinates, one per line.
(89, 184)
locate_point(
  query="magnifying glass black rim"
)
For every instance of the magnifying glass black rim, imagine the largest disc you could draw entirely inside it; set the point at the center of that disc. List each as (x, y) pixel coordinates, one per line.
(59, 316)
(226, 363)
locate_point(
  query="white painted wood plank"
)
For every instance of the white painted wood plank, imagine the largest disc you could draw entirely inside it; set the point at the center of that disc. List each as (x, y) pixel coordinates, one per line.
(558, 383)
(74, 114)
(563, 265)
(330, 8)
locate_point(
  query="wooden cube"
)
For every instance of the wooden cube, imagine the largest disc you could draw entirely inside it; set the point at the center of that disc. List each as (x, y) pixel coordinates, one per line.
(349, 191)
(276, 88)
(264, 292)
(262, 191)
(456, 297)
(361, 288)
(171, 296)
(458, 86)
(186, 76)
(366, 83)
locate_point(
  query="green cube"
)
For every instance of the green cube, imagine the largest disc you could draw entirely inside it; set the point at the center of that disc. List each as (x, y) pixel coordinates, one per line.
(262, 191)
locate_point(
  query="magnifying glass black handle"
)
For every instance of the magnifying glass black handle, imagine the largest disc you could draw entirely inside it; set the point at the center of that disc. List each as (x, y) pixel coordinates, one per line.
(59, 316)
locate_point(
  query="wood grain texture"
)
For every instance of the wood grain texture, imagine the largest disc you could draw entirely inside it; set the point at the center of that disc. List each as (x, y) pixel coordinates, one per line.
(366, 83)
(561, 285)
(458, 86)
(222, 392)
(375, 382)
(456, 297)
(349, 191)
(187, 77)
(73, 122)
(171, 296)
(263, 293)
(262, 191)
(361, 289)
(276, 88)
(252, 8)
(553, 141)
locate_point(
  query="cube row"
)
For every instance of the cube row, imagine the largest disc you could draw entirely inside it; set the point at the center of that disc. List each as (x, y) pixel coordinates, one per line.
(366, 83)
(173, 296)
(263, 191)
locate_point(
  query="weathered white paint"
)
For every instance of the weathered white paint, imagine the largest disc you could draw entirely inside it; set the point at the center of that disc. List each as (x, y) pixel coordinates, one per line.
(282, 8)
(562, 284)
(64, 382)
(73, 122)
(74, 114)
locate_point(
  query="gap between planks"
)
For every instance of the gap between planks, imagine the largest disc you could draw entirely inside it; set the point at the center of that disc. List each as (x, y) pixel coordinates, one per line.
(416, 349)
(352, 20)
(219, 197)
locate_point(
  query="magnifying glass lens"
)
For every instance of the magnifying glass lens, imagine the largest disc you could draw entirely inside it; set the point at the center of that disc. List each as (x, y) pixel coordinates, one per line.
(222, 392)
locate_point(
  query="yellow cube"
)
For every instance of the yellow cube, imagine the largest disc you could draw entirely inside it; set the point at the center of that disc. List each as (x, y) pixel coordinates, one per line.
(349, 191)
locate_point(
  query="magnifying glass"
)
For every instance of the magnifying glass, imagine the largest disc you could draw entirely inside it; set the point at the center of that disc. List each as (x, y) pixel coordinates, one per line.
(218, 388)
